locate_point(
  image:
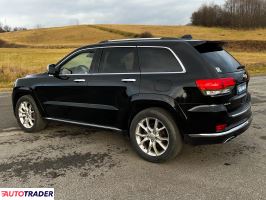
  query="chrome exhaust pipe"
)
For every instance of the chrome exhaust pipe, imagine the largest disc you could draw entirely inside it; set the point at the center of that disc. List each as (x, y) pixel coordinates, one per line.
(229, 139)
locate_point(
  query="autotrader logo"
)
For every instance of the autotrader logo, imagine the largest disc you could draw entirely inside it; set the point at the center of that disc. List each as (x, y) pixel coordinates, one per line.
(27, 193)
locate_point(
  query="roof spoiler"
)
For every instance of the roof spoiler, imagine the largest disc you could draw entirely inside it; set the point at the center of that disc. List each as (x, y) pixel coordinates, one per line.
(218, 43)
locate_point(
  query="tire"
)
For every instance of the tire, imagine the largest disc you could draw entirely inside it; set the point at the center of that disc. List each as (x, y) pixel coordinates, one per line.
(38, 123)
(149, 150)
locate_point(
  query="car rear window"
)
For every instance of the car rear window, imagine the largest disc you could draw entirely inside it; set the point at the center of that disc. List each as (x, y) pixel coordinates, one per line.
(217, 57)
(158, 60)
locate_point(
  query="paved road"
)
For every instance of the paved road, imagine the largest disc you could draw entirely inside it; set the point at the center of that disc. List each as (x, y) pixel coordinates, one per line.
(7, 119)
(84, 163)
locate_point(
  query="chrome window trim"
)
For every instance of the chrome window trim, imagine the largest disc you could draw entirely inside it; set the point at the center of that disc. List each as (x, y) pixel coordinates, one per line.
(92, 48)
(82, 123)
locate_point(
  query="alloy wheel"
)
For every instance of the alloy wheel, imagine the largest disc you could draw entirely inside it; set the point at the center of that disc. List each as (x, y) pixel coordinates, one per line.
(152, 136)
(26, 114)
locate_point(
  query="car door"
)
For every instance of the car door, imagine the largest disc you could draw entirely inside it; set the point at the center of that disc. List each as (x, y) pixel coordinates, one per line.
(113, 85)
(64, 96)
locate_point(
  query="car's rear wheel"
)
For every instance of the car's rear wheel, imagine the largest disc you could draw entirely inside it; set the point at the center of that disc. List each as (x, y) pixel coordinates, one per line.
(155, 135)
(28, 115)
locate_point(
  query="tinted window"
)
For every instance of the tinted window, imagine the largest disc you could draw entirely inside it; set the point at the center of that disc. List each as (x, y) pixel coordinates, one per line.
(220, 59)
(158, 60)
(118, 60)
(80, 64)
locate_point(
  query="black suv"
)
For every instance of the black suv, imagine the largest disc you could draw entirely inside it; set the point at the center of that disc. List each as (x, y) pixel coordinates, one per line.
(162, 91)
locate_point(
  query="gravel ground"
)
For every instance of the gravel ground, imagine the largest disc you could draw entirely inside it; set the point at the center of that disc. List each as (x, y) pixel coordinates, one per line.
(84, 163)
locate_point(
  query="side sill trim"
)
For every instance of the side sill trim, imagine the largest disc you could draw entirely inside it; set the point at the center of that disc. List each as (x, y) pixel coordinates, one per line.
(83, 124)
(221, 133)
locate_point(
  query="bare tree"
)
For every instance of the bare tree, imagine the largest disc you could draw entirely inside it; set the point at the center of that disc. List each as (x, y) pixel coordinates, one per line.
(234, 13)
(7, 28)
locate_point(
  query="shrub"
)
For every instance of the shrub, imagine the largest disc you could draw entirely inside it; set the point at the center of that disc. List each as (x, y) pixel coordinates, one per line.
(145, 34)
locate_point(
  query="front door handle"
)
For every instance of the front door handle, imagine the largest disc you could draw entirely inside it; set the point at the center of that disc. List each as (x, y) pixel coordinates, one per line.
(79, 80)
(128, 80)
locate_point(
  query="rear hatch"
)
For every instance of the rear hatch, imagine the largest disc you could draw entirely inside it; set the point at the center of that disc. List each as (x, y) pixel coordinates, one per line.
(227, 66)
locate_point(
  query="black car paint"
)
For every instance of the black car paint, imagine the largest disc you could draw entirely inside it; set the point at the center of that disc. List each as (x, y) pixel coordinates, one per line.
(105, 100)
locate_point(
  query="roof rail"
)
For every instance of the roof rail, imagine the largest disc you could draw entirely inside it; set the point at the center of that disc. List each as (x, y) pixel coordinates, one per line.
(187, 37)
(129, 39)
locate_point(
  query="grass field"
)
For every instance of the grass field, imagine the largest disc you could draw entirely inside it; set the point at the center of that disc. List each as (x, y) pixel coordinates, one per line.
(87, 34)
(69, 36)
(46, 46)
(196, 31)
(18, 62)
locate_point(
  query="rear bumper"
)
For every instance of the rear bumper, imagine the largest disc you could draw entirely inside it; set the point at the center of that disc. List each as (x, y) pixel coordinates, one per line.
(224, 133)
(238, 122)
(221, 137)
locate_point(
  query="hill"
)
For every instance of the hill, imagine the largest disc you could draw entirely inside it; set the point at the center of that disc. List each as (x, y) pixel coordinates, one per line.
(61, 37)
(73, 36)
(30, 51)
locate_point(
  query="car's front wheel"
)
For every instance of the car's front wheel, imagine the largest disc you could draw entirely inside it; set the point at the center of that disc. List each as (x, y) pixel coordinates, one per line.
(155, 135)
(28, 115)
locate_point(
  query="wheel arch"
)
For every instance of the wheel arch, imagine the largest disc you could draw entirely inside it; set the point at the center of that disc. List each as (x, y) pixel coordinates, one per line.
(22, 91)
(142, 102)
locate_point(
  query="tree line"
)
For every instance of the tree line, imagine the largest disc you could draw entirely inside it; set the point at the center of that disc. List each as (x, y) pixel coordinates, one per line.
(7, 28)
(233, 14)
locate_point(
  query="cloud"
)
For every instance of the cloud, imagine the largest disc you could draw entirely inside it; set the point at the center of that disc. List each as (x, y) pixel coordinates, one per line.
(47, 13)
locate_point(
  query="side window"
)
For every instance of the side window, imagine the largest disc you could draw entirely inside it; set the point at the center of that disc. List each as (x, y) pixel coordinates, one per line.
(119, 60)
(80, 64)
(158, 60)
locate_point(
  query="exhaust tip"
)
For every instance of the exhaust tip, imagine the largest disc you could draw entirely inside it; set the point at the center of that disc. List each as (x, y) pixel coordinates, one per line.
(229, 139)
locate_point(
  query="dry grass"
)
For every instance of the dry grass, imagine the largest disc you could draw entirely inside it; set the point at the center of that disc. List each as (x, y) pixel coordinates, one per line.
(87, 34)
(254, 61)
(62, 36)
(197, 32)
(18, 62)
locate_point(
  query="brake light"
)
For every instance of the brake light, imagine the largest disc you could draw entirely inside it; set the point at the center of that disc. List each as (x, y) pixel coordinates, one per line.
(212, 87)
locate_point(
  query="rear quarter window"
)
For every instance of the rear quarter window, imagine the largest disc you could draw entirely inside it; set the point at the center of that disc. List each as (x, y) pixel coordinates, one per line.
(154, 59)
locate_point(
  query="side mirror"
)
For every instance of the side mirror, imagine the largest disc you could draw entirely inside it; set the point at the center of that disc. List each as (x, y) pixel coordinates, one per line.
(51, 69)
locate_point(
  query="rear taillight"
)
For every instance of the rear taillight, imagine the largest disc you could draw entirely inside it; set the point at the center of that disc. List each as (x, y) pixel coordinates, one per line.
(212, 87)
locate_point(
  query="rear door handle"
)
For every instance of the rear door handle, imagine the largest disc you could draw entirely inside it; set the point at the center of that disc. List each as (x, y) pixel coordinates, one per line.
(128, 80)
(79, 80)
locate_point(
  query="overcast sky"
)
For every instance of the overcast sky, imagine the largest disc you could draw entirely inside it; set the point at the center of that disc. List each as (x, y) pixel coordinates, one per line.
(47, 13)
